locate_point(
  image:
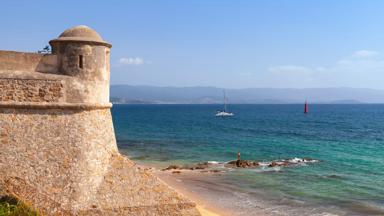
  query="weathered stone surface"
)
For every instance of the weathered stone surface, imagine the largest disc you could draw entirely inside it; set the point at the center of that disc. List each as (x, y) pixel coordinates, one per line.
(66, 162)
(58, 148)
(61, 153)
(30, 90)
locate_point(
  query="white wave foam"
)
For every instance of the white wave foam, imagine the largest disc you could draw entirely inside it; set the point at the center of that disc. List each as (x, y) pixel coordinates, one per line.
(296, 160)
(267, 169)
(214, 162)
(264, 163)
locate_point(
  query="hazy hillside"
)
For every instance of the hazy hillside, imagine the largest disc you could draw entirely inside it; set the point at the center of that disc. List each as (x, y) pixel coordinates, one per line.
(206, 95)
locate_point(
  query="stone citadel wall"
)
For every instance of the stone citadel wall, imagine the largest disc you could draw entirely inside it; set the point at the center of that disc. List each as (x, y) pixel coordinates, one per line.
(58, 148)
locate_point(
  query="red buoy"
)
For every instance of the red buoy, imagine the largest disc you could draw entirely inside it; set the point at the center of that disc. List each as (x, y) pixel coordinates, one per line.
(306, 107)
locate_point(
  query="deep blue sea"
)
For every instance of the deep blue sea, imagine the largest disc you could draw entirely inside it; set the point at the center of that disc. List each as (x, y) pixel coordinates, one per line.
(348, 141)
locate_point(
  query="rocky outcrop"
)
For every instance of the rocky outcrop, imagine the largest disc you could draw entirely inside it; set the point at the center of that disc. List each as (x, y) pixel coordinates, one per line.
(243, 163)
(217, 167)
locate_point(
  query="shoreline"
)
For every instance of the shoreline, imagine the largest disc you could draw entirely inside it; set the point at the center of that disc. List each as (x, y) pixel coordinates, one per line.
(204, 206)
(204, 183)
(216, 197)
(211, 198)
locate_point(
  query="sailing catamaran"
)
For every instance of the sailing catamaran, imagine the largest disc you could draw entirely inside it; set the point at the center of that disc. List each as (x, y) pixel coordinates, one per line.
(224, 113)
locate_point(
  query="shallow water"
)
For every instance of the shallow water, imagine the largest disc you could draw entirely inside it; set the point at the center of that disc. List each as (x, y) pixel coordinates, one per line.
(347, 139)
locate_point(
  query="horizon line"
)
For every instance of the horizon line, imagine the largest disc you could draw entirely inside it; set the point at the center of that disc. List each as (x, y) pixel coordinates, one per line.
(231, 88)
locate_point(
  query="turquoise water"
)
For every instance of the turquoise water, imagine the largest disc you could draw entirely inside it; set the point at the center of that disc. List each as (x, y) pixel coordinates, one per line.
(347, 139)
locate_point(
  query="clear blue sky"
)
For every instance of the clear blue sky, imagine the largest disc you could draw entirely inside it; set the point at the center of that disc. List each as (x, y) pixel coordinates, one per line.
(230, 44)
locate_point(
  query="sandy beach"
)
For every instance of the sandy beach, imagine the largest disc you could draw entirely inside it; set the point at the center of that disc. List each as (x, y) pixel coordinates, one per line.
(211, 199)
(206, 207)
(179, 182)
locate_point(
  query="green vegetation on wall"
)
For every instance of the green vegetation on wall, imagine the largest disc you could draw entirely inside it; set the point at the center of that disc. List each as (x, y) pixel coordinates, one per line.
(10, 206)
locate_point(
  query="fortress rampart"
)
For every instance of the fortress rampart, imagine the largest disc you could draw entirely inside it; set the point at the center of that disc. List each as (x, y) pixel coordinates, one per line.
(58, 148)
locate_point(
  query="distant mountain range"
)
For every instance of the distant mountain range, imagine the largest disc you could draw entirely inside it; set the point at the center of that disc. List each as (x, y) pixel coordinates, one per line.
(213, 95)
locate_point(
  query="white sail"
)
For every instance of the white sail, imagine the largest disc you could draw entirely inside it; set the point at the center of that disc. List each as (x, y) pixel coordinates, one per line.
(224, 113)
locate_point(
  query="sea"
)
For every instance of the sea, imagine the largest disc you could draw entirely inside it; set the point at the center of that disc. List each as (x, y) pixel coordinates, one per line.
(347, 142)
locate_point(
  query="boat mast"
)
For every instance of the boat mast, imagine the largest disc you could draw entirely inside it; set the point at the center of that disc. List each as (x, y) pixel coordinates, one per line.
(225, 102)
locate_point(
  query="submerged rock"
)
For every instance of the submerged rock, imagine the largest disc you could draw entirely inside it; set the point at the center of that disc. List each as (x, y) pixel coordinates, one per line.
(199, 166)
(171, 167)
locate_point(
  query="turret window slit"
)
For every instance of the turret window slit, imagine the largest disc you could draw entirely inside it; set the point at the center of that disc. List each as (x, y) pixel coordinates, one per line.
(81, 62)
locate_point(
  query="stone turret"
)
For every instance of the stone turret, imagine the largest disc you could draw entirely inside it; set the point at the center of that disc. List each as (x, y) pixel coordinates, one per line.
(82, 53)
(58, 147)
